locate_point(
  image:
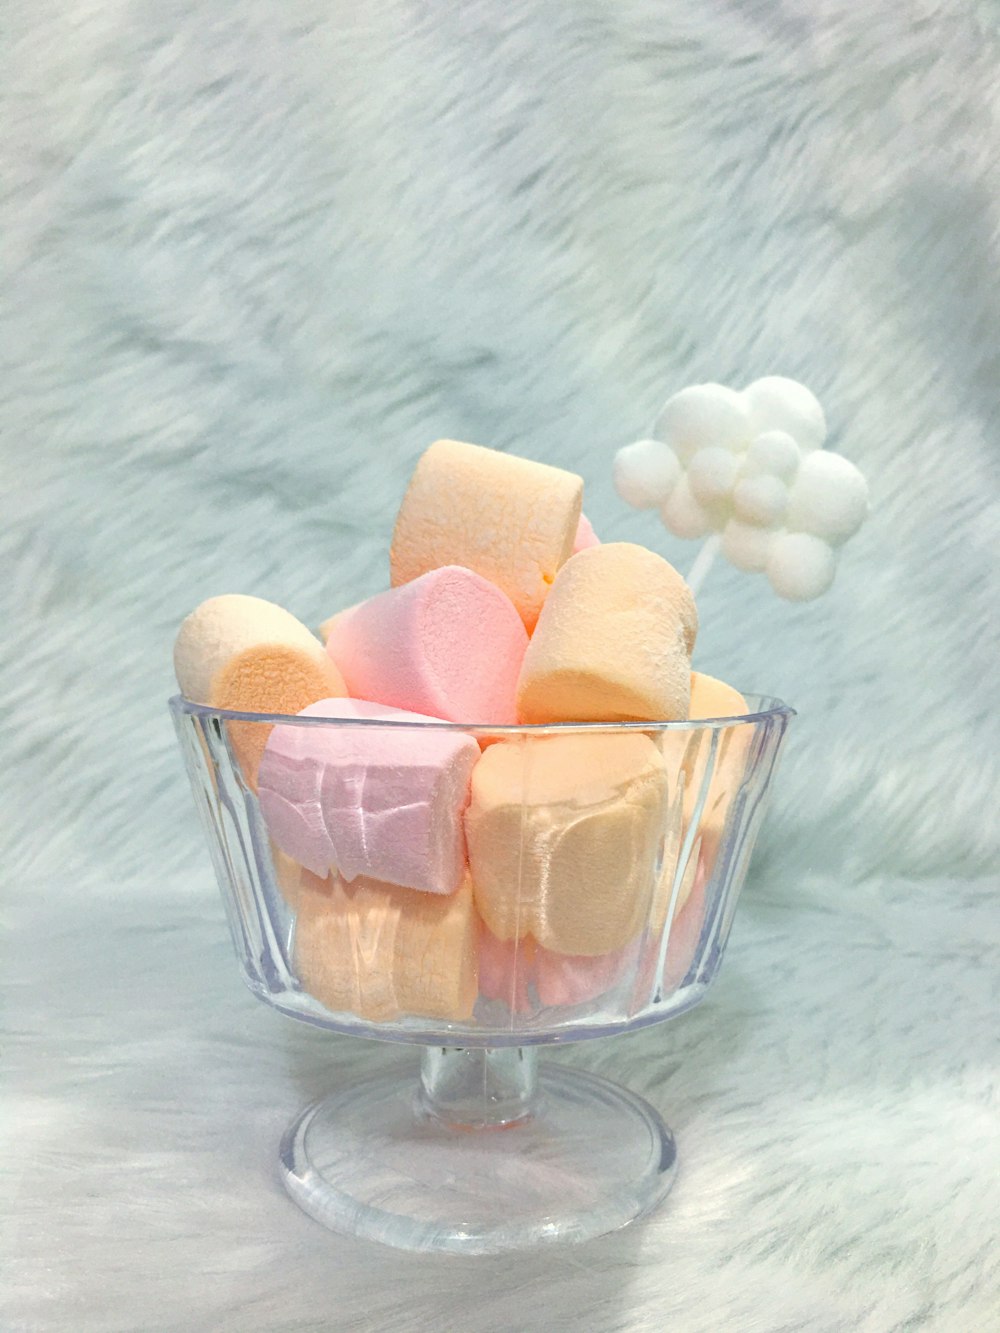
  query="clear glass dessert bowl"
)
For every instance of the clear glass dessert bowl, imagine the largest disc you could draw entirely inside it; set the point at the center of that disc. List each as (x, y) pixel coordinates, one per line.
(578, 881)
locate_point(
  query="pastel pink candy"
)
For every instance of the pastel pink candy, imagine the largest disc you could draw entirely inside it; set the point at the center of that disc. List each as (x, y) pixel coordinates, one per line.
(585, 535)
(449, 643)
(562, 978)
(505, 968)
(384, 802)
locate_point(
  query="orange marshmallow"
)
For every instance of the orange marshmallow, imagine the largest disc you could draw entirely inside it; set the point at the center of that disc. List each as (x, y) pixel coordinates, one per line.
(221, 627)
(665, 887)
(270, 678)
(381, 952)
(613, 641)
(249, 655)
(714, 698)
(685, 932)
(295, 883)
(564, 834)
(509, 519)
(711, 698)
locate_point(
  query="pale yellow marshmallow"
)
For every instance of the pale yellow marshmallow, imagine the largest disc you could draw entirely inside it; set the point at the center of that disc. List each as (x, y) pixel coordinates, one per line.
(564, 834)
(509, 519)
(220, 628)
(613, 641)
(382, 952)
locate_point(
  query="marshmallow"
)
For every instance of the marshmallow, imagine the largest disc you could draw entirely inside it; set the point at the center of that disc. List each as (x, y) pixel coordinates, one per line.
(384, 802)
(613, 642)
(506, 969)
(685, 933)
(449, 644)
(294, 882)
(568, 979)
(665, 888)
(269, 678)
(382, 952)
(585, 535)
(251, 656)
(711, 698)
(564, 834)
(511, 520)
(221, 628)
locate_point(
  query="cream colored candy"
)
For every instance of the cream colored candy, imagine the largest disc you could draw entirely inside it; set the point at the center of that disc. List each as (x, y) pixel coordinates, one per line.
(509, 519)
(381, 952)
(564, 834)
(224, 626)
(613, 641)
(270, 678)
(251, 656)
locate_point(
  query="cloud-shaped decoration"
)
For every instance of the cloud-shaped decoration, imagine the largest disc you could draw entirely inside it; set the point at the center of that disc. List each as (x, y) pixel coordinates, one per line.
(751, 467)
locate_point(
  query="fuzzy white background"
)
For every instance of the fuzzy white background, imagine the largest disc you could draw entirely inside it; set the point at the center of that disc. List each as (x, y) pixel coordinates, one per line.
(259, 256)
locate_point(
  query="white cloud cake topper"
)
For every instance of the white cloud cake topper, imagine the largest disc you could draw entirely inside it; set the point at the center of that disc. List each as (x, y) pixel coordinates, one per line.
(749, 470)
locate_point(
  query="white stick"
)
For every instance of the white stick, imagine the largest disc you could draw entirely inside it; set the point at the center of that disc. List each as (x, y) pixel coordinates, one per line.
(703, 562)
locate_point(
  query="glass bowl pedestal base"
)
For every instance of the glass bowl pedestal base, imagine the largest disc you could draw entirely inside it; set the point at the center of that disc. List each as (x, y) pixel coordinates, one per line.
(483, 1155)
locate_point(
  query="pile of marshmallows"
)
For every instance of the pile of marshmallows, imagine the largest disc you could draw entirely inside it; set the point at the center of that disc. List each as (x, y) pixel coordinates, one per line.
(430, 867)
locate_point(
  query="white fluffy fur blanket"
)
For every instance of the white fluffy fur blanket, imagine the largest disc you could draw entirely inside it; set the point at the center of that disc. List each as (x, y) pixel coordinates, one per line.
(260, 255)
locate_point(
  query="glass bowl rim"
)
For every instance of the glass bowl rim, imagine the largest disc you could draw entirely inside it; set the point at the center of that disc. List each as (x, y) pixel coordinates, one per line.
(771, 710)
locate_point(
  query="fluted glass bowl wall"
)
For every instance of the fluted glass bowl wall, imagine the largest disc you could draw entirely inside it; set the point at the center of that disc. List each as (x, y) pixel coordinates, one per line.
(602, 910)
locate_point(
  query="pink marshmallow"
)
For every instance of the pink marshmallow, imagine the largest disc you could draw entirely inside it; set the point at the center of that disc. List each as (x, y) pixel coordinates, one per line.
(384, 802)
(562, 978)
(505, 968)
(508, 968)
(449, 643)
(585, 535)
